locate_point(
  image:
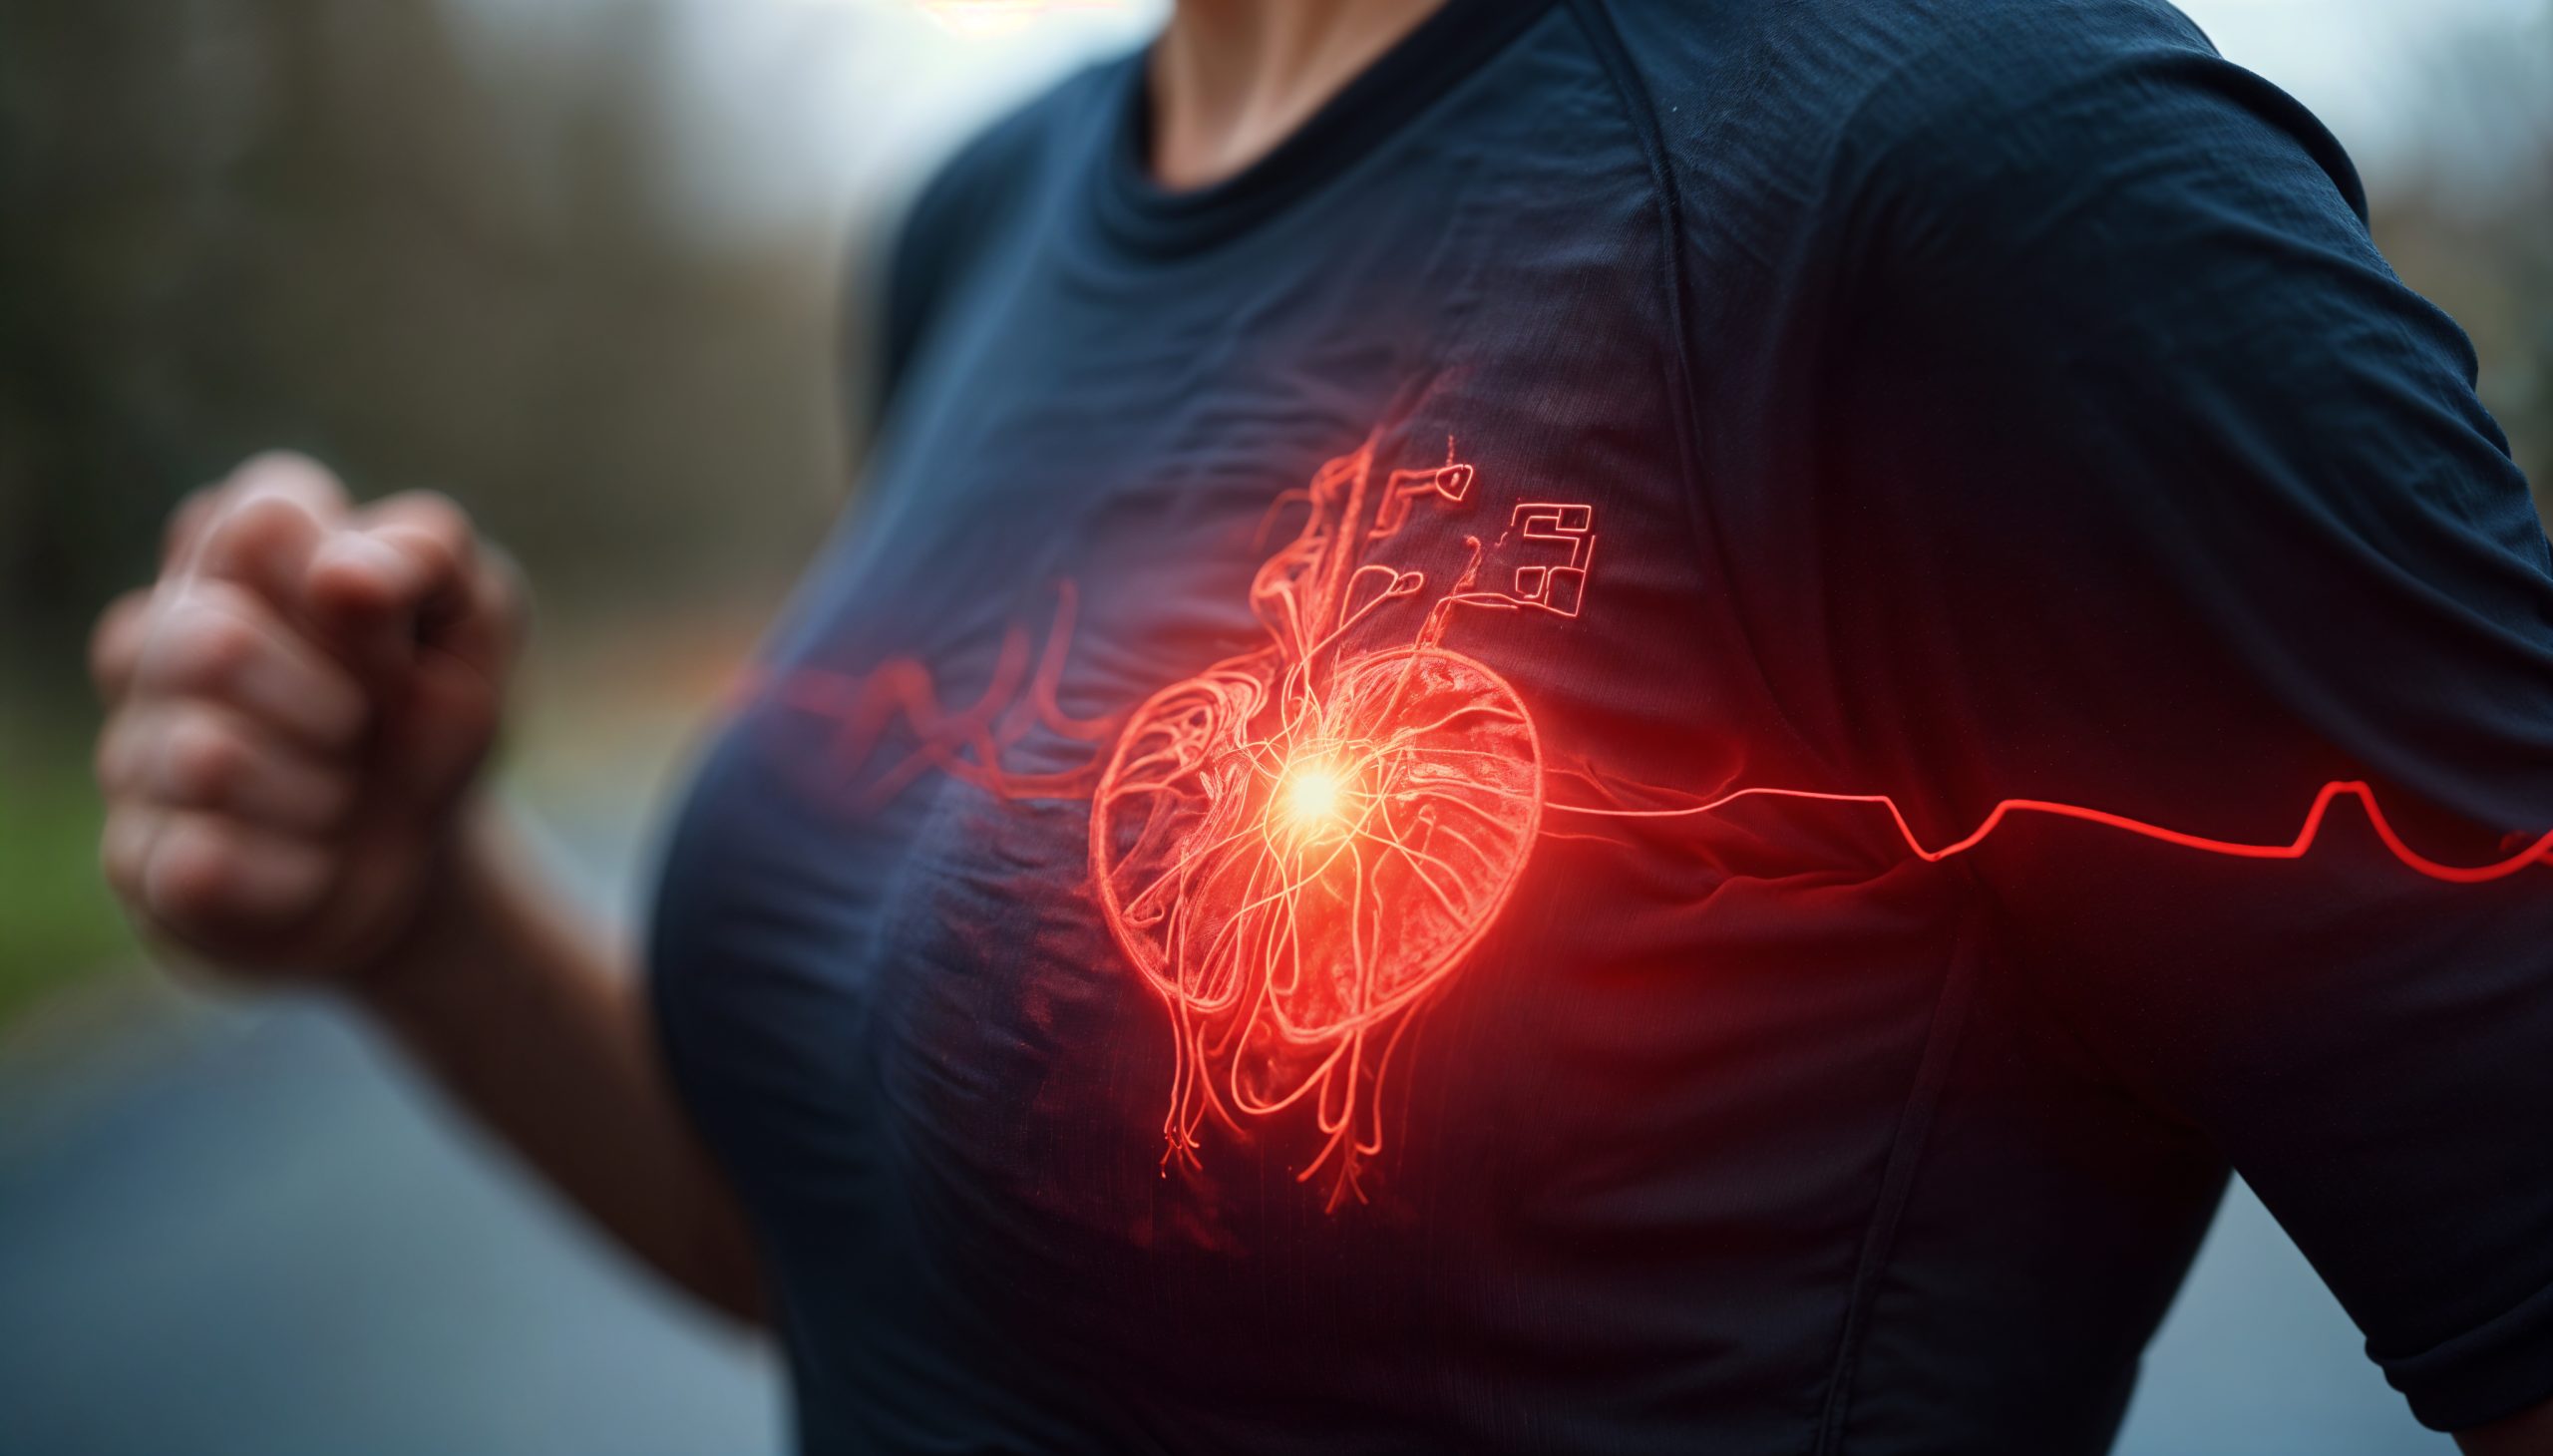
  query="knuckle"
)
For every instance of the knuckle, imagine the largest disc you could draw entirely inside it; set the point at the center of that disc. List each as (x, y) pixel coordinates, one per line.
(204, 762)
(257, 517)
(111, 641)
(435, 511)
(111, 762)
(188, 877)
(120, 853)
(210, 873)
(310, 487)
(209, 644)
(434, 522)
(289, 468)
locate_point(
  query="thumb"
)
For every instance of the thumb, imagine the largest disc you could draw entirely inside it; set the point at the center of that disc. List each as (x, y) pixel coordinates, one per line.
(428, 615)
(407, 577)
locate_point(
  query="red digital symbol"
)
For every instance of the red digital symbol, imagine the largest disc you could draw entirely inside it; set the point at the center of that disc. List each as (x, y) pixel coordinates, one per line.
(1450, 483)
(1560, 587)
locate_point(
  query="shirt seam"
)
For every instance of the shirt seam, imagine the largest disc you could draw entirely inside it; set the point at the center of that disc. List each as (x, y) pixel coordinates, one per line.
(1943, 1032)
(1943, 1027)
(1639, 115)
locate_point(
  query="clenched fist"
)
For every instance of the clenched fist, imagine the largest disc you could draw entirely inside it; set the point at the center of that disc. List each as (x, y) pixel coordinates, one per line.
(295, 711)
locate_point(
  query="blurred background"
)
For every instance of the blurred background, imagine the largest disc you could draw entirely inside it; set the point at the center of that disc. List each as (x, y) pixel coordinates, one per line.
(590, 265)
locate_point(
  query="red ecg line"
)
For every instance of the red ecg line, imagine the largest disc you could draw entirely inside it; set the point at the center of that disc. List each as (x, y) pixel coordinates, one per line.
(900, 692)
(1296, 847)
(2541, 851)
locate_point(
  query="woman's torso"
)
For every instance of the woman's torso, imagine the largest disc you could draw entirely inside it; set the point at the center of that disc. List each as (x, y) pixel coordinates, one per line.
(1561, 1131)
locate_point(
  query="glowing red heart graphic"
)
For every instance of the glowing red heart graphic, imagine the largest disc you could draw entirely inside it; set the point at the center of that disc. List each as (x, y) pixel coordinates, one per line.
(1298, 845)
(1293, 873)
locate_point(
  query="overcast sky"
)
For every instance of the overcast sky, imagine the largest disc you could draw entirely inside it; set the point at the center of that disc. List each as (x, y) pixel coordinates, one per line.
(2367, 68)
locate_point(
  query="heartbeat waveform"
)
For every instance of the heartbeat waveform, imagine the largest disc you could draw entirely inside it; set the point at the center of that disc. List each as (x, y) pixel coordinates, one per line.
(1300, 845)
(2540, 852)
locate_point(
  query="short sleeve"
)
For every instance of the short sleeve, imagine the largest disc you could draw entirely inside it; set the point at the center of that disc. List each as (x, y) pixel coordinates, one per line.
(2155, 492)
(897, 277)
(938, 239)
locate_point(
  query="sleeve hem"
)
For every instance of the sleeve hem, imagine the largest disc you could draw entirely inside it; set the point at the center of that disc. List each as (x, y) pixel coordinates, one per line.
(2491, 1373)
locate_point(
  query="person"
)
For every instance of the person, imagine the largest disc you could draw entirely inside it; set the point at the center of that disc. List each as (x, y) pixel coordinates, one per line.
(1730, 454)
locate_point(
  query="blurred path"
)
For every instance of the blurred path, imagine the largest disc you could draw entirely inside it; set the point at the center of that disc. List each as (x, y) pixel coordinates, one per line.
(259, 1237)
(2258, 1359)
(245, 1228)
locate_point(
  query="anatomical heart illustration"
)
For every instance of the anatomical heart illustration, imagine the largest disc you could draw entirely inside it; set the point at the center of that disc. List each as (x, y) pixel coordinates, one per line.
(1298, 845)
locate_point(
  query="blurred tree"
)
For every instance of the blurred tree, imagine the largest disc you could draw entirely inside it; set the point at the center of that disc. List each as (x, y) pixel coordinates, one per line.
(369, 230)
(2472, 228)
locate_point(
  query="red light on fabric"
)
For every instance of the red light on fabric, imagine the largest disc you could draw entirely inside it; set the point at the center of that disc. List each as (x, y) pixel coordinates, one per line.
(1297, 846)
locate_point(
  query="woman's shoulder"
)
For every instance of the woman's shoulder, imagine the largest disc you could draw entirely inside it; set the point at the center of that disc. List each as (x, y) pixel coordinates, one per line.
(963, 202)
(1819, 70)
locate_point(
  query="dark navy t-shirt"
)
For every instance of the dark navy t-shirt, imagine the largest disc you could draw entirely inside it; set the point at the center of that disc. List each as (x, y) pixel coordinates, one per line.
(1366, 836)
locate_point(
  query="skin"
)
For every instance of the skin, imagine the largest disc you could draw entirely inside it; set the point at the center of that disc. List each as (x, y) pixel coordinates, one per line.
(1233, 77)
(300, 706)
(297, 712)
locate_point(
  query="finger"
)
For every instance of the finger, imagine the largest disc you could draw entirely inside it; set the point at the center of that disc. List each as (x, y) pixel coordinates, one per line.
(124, 751)
(294, 477)
(262, 541)
(281, 475)
(480, 622)
(450, 701)
(365, 595)
(191, 755)
(186, 522)
(210, 877)
(123, 847)
(114, 647)
(213, 641)
(484, 636)
(405, 573)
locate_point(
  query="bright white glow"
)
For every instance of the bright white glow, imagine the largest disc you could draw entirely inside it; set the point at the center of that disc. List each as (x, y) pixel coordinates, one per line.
(984, 18)
(1314, 796)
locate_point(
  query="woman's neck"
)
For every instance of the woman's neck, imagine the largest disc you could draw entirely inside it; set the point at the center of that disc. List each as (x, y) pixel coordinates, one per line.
(1230, 79)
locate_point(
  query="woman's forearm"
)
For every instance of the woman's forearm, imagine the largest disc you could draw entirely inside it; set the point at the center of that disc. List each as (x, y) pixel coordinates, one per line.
(528, 1017)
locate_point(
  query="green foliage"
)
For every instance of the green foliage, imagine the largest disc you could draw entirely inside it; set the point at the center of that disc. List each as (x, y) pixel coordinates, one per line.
(2472, 228)
(56, 920)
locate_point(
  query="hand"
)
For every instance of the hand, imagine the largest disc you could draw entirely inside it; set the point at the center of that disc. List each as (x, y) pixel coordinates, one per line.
(296, 710)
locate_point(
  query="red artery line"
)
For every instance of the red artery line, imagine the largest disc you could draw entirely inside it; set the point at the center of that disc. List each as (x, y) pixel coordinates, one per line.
(2540, 852)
